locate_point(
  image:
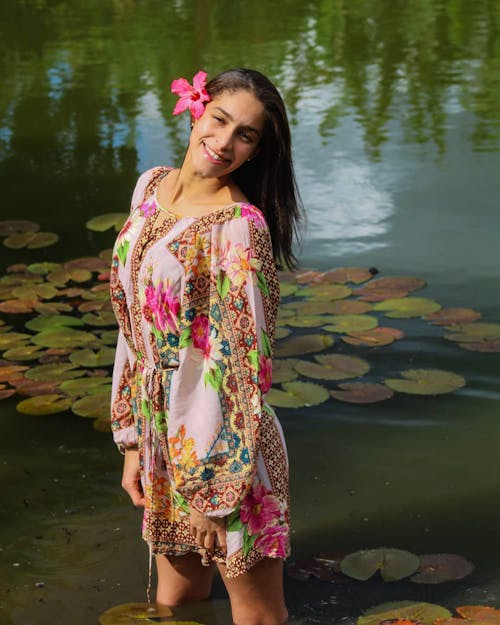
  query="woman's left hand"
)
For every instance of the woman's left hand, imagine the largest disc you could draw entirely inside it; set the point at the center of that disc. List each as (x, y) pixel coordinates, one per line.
(208, 532)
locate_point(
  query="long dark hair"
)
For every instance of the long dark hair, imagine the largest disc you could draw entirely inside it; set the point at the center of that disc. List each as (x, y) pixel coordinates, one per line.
(268, 180)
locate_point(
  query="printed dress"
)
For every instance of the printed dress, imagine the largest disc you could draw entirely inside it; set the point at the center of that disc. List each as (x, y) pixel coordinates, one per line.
(196, 300)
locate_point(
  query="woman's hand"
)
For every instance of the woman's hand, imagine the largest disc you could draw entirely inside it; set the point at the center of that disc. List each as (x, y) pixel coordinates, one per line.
(131, 478)
(208, 532)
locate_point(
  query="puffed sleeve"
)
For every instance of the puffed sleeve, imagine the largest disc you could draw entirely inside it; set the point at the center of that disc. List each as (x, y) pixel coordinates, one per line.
(226, 342)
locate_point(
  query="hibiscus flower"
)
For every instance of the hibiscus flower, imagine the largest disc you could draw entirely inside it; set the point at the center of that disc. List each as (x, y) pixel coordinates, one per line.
(273, 543)
(259, 510)
(265, 373)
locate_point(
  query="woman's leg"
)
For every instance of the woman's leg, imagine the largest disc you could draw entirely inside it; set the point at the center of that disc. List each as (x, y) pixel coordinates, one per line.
(257, 595)
(182, 578)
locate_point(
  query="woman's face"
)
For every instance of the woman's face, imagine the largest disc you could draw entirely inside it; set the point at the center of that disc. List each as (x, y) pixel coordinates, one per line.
(227, 134)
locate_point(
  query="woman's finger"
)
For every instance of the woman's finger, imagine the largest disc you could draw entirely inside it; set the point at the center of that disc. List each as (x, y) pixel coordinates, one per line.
(209, 542)
(221, 538)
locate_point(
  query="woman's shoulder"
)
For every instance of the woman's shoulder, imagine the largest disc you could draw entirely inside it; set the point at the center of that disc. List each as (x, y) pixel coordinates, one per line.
(147, 182)
(252, 214)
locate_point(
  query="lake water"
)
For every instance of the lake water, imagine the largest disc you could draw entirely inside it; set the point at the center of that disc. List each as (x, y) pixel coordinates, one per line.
(395, 118)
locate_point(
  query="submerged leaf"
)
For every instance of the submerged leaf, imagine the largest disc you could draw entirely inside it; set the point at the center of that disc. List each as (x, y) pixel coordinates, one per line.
(133, 613)
(436, 568)
(426, 382)
(393, 564)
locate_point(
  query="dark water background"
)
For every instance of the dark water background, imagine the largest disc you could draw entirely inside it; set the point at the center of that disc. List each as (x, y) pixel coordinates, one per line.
(395, 109)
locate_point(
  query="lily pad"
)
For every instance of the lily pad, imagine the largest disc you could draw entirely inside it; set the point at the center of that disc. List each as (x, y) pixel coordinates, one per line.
(92, 263)
(93, 406)
(393, 564)
(474, 332)
(425, 613)
(43, 268)
(334, 367)
(304, 344)
(49, 322)
(64, 337)
(12, 226)
(25, 352)
(109, 337)
(62, 277)
(282, 333)
(344, 324)
(356, 275)
(32, 388)
(436, 568)
(107, 221)
(426, 382)
(5, 393)
(101, 318)
(374, 338)
(13, 339)
(362, 393)
(479, 613)
(326, 292)
(54, 372)
(303, 277)
(43, 291)
(297, 395)
(8, 373)
(86, 386)
(283, 370)
(53, 308)
(449, 316)
(407, 307)
(88, 358)
(42, 239)
(19, 306)
(482, 346)
(306, 321)
(337, 307)
(287, 289)
(133, 613)
(44, 404)
(389, 288)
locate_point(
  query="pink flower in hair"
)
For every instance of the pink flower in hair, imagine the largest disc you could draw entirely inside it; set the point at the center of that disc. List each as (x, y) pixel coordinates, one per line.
(191, 97)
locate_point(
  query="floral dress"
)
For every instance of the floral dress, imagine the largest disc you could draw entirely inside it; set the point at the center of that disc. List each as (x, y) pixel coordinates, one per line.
(196, 301)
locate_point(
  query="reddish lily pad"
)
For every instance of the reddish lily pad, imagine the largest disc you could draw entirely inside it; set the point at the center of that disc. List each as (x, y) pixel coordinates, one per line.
(32, 388)
(374, 338)
(13, 226)
(297, 395)
(479, 613)
(450, 316)
(92, 263)
(407, 307)
(425, 613)
(19, 306)
(362, 393)
(5, 393)
(304, 344)
(107, 221)
(426, 382)
(344, 324)
(393, 564)
(54, 372)
(474, 332)
(389, 288)
(44, 404)
(53, 308)
(356, 275)
(93, 406)
(482, 346)
(135, 614)
(339, 366)
(9, 373)
(436, 568)
(303, 277)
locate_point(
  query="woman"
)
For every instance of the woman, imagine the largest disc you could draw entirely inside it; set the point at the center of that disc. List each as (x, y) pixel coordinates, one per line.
(195, 291)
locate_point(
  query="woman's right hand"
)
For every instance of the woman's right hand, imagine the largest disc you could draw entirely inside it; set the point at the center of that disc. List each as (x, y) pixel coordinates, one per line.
(131, 478)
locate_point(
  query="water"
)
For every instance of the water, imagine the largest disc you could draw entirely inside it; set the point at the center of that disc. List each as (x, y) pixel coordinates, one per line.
(395, 119)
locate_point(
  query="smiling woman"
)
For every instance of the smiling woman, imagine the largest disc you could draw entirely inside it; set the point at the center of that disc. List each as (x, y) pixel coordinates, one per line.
(195, 290)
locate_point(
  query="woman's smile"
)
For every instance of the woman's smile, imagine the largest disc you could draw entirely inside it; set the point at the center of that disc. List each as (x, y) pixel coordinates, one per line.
(212, 156)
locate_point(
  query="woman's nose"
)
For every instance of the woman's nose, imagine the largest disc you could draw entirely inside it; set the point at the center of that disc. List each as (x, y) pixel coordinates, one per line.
(225, 138)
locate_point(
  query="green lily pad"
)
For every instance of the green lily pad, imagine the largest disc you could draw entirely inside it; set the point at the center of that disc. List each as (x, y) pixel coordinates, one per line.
(335, 366)
(374, 338)
(133, 613)
(341, 275)
(88, 358)
(86, 386)
(62, 277)
(93, 406)
(44, 404)
(95, 294)
(43, 291)
(436, 568)
(389, 288)
(474, 332)
(306, 321)
(64, 337)
(297, 395)
(393, 564)
(18, 240)
(43, 268)
(13, 339)
(102, 425)
(407, 307)
(109, 337)
(54, 372)
(283, 370)
(337, 307)
(107, 221)
(23, 353)
(326, 292)
(426, 613)
(344, 324)
(426, 382)
(12, 226)
(42, 239)
(362, 393)
(450, 316)
(287, 289)
(101, 318)
(304, 344)
(282, 333)
(49, 322)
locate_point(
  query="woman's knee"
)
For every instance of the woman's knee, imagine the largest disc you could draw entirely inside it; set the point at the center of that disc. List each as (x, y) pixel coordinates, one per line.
(182, 579)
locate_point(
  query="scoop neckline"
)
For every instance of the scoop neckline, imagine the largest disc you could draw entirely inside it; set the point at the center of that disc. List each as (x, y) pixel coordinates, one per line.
(178, 215)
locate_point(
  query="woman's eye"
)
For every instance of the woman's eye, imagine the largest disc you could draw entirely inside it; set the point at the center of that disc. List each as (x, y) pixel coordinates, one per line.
(218, 119)
(245, 136)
